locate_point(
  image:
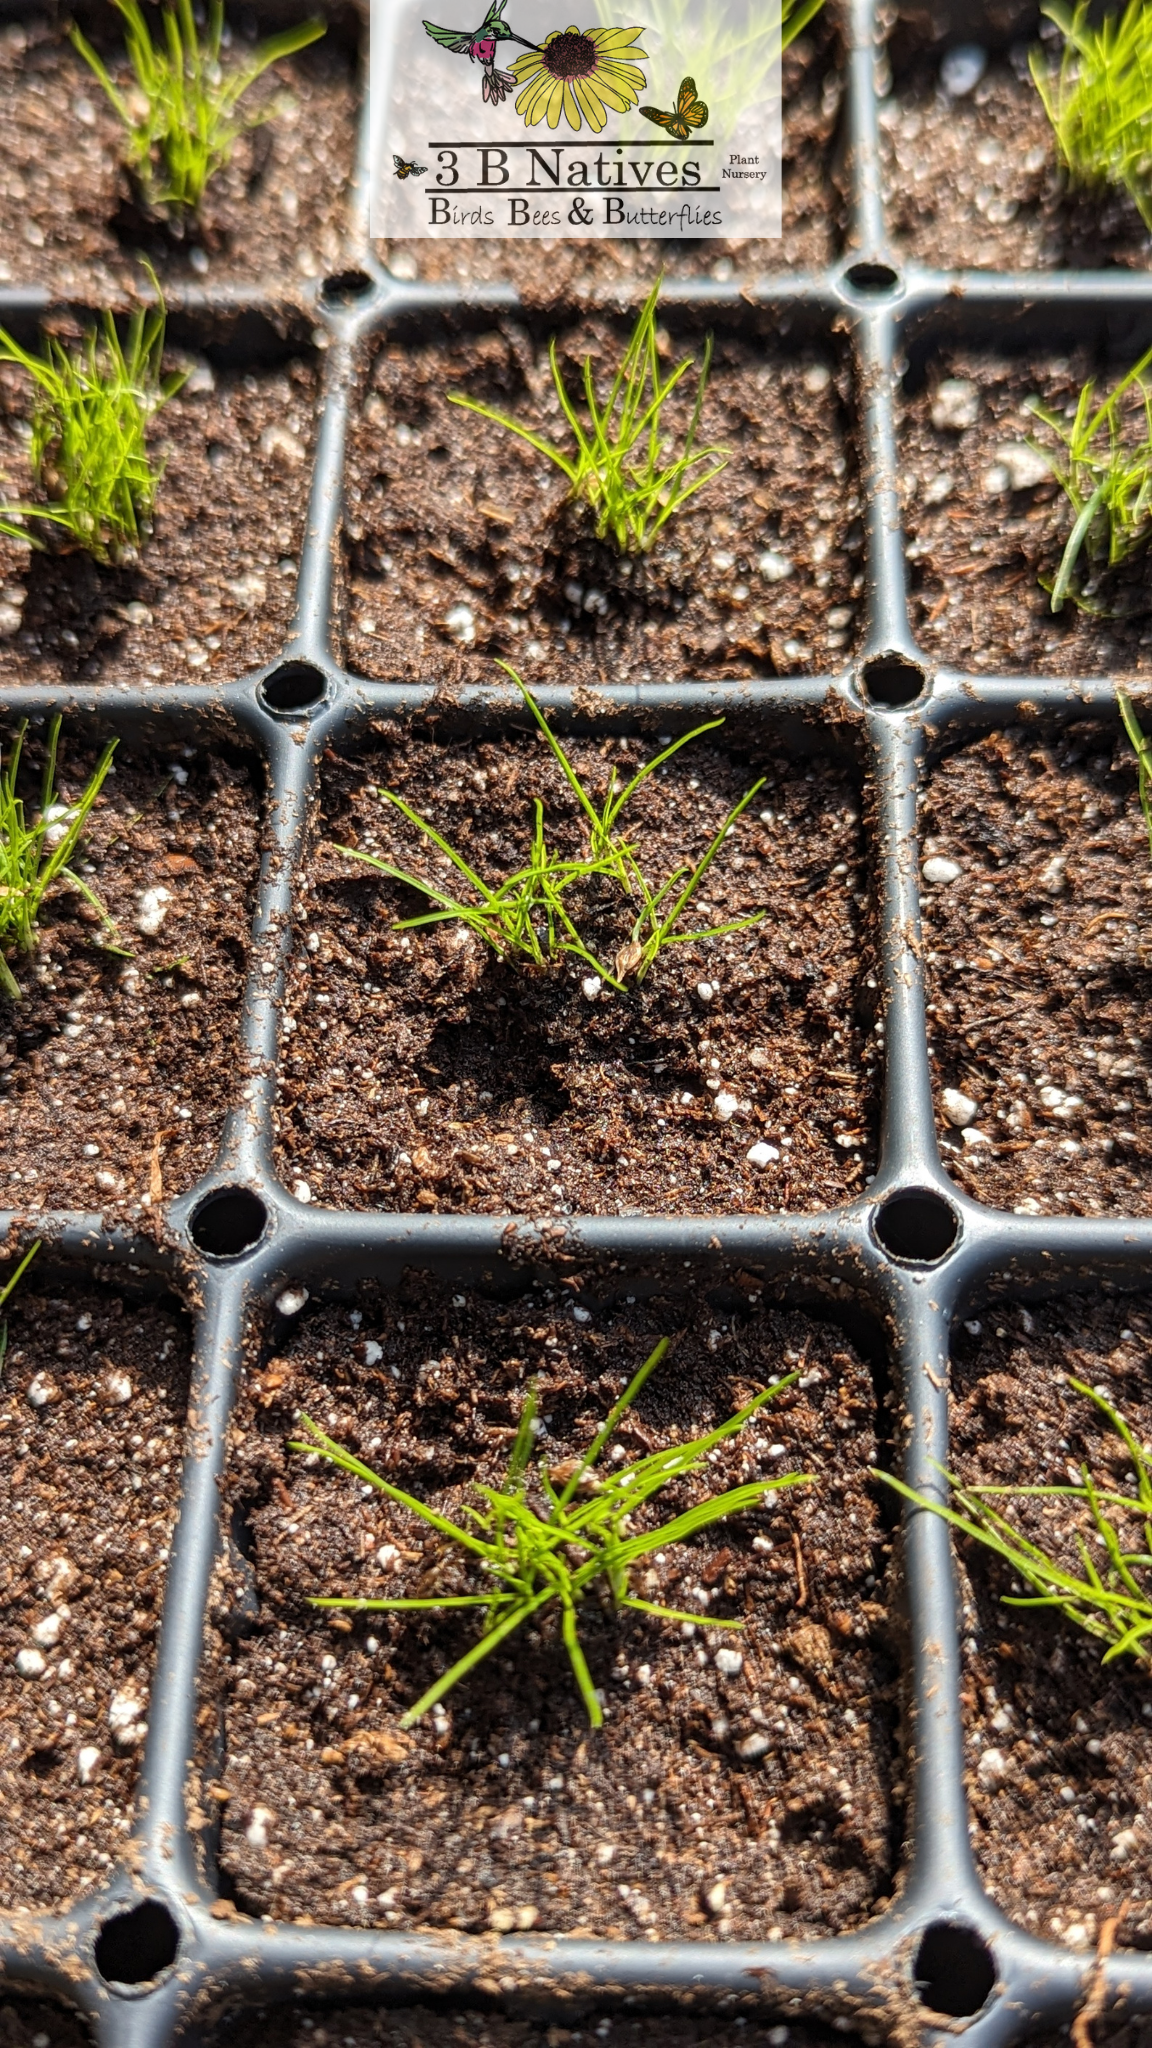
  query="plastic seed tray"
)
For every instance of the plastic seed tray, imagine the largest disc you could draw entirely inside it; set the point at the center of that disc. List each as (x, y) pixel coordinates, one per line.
(146, 1959)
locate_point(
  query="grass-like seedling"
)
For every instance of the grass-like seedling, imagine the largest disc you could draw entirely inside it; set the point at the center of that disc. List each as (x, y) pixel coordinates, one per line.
(183, 120)
(1110, 1598)
(622, 467)
(1106, 473)
(580, 1533)
(1098, 97)
(1142, 747)
(35, 856)
(6, 1292)
(89, 449)
(526, 916)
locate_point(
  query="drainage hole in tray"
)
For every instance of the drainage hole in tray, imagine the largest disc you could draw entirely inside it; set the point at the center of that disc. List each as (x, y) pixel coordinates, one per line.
(228, 1222)
(918, 1226)
(872, 277)
(892, 680)
(954, 1969)
(134, 1947)
(294, 686)
(345, 287)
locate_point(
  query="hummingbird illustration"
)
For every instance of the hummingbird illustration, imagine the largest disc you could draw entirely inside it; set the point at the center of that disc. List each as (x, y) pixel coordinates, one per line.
(480, 46)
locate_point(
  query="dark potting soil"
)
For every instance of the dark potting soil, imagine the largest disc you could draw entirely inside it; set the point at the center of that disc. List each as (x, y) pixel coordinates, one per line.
(116, 1073)
(419, 2027)
(1038, 985)
(464, 547)
(92, 1424)
(572, 270)
(214, 589)
(710, 1805)
(69, 216)
(979, 547)
(1057, 1745)
(33, 2023)
(421, 1071)
(974, 183)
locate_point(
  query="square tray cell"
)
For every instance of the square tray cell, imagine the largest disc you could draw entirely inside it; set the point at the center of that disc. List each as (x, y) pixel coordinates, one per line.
(424, 2027)
(463, 546)
(979, 544)
(507, 1809)
(1057, 1746)
(1038, 986)
(92, 1427)
(973, 183)
(544, 272)
(214, 589)
(422, 1071)
(69, 217)
(115, 1073)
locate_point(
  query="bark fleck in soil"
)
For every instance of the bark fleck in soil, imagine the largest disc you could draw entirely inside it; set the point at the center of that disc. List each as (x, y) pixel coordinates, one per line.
(68, 213)
(464, 548)
(214, 589)
(92, 1424)
(506, 1809)
(1038, 998)
(974, 184)
(421, 1071)
(115, 1074)
(979, 548)
(1062, 1834)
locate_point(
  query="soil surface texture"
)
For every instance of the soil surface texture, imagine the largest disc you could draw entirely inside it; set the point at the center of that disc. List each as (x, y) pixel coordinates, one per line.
(1057, 1746)
(116, 1073)
(714, 1802)
(572, 270)
(1038, 975)
(974, 183)
(984, 524)
(214, 589)
(276, 211)
(419, 2027)
(464, 546)
(92, 1424)
(423, 1071)
(33, 2023)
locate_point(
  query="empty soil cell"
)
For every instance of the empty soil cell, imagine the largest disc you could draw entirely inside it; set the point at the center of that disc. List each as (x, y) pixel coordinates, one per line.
(116, 1072)
(1056, 1745)
(506, 1808)
(213, 591)
(979, 547)
(423, 1071)
(1038, 982)
(282, 2026)
(70, 218)
(463, 546)
(544, 272)
(974, 183)
(92, 1424)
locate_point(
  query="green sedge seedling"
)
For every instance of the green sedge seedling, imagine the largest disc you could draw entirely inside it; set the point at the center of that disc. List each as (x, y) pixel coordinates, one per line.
(1105, 471)
(1110, 1597)
(183, 120)
(579, 1532)
(89, 449)
(622, 467)
(1142, 747)
(33, 857)
(6, 1292)
(527, 916)
(1098, 97)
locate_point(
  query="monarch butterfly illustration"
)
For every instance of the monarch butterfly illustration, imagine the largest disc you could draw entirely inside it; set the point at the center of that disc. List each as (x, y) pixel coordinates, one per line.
(404, 170)
(690, 112)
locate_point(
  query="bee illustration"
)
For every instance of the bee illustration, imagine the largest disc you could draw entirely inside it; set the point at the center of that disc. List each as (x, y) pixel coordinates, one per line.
(690, 112)
(404, 170)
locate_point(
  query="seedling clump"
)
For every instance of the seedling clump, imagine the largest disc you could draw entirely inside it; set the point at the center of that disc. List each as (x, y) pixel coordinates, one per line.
(34, 857)
(182, 121)
(1110, 1599)
(622, 466)
(580, 1533)
(89, 451)
(1142, 747)
(6, 1292)
(1098, 97)
(1106, 473)
(527, 916)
